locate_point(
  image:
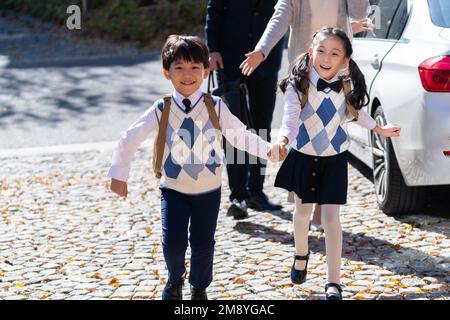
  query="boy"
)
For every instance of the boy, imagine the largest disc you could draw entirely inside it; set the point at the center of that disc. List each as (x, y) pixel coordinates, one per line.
(191, 166)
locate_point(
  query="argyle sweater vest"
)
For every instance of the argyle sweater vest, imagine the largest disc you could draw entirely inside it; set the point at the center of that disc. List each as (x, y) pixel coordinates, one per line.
(193, 155)
(323, 129)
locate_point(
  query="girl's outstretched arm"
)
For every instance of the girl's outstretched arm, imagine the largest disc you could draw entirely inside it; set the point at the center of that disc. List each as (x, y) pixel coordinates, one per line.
(389, 130)
(366, 121)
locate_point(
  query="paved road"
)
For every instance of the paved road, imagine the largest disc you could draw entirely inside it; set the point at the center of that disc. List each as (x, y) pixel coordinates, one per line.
(58, 90)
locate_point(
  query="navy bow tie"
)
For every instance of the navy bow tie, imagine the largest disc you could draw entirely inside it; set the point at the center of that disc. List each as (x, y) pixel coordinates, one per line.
(187, 105)
(335, 86)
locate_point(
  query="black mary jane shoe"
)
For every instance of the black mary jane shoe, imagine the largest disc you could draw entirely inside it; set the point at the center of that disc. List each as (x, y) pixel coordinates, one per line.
(332, 295)
(198, 294)
(299, 276)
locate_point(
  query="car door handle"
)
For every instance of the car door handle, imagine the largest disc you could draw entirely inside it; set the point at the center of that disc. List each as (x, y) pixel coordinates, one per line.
(376, 62)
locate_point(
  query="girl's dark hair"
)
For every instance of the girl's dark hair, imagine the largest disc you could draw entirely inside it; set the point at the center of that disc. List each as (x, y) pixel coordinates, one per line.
(184, 48)
(299, 74)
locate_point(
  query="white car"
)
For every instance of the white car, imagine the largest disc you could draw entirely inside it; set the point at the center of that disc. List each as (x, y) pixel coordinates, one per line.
(406, 62)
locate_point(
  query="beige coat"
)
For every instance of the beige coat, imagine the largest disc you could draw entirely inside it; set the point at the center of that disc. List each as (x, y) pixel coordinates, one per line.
(296, 15)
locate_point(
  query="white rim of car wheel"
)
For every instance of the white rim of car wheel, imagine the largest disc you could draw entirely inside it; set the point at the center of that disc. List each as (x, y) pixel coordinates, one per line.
(380, 161)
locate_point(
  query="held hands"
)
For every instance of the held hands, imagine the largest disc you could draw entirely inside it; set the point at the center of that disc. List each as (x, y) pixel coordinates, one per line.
(278, 151)
(252, 62)
(389, 130)
(119, 187)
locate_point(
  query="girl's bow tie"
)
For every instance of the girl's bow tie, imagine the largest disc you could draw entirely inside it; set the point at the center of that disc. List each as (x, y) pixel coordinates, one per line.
(335, 86)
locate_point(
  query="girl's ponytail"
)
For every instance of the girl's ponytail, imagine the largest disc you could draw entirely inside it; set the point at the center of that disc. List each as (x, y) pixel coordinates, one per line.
(358, 97)
(298, 76)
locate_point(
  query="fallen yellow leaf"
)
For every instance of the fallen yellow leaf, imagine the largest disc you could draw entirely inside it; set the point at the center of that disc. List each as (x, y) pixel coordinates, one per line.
(394, 280)
(97, 276)
(239, 281)
(420, 291)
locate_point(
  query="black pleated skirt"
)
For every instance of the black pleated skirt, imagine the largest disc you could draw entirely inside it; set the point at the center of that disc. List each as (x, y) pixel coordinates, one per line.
(314, 179)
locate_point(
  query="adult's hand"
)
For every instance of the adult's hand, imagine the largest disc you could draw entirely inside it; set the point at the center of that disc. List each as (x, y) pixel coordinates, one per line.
(252, 62)
(362, 25)
(215, 61)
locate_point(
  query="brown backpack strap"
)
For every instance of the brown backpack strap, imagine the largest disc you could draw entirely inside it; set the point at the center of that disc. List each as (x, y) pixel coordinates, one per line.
(160, 142)
(303, 97)
(211, 111)
(347, 89)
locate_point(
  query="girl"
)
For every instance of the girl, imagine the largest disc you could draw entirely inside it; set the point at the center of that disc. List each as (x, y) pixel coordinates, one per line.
(316, 167)
(304, 17)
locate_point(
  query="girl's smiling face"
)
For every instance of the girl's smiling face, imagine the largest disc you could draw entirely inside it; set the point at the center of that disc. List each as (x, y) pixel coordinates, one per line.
(186, 76)
(328, 56)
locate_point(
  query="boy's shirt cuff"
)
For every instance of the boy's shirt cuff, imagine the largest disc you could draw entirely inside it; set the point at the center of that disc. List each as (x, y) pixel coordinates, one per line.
(119, 172)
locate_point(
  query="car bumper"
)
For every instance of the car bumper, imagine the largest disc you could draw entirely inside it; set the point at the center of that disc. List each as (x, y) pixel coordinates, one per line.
(420, 149)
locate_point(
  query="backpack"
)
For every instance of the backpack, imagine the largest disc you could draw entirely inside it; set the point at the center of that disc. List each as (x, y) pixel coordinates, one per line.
(160, 141)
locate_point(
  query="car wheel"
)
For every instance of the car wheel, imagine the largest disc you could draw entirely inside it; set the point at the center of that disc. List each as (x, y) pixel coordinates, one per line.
(394, 197)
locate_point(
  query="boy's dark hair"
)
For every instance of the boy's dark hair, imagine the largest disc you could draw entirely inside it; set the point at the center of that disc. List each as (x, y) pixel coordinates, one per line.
(299, 75)
(184, 48)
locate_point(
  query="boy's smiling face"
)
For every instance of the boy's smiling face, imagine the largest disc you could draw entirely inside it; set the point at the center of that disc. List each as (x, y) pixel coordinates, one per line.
(186, 76)
(328, 56)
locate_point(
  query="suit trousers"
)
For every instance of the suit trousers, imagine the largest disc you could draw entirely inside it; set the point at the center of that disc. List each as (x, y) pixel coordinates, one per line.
(190, 218)
(245, 172)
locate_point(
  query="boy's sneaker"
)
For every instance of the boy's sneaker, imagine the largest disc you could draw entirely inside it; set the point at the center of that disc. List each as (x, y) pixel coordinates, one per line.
(173, 292)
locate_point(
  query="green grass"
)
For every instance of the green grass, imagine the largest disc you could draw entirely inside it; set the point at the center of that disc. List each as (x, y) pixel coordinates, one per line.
(145, 22)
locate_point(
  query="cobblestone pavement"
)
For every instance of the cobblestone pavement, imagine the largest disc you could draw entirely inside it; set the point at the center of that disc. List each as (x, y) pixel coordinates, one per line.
(63, 235)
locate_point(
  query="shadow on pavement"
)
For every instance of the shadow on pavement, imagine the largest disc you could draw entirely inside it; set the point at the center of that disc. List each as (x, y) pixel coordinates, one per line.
(389, 256)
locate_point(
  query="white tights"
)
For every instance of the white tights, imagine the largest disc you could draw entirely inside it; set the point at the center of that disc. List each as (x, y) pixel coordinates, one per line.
(333, 236)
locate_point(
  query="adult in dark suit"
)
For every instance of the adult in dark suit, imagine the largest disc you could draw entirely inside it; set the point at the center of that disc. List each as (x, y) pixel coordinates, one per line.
(232, 29)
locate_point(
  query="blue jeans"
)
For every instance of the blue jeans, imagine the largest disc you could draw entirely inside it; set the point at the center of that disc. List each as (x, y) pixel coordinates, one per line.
(177, 210)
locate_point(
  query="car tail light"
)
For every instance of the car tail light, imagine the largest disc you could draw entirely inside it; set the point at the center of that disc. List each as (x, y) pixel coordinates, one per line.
(447, 153)
(435, 74)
